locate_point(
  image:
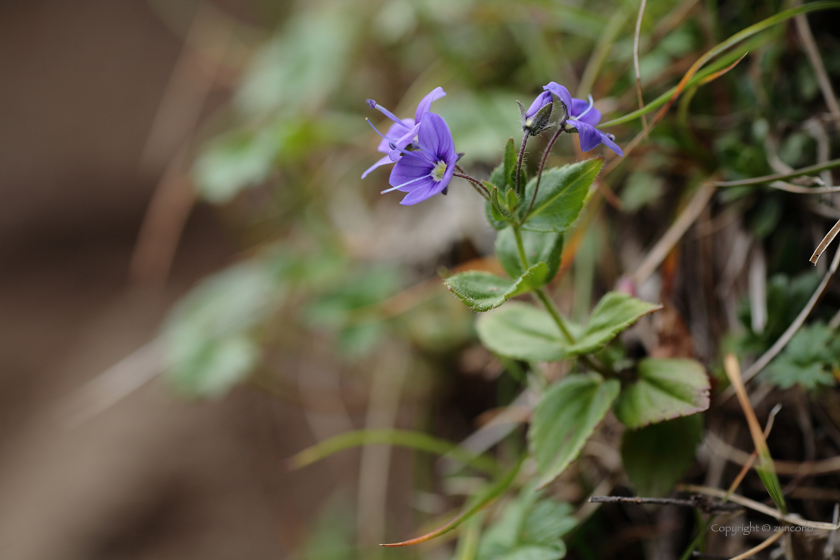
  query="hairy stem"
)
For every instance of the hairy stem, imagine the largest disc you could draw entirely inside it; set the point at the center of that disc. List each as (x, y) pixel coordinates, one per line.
(519, 161)
(482, 190)
(542, 166)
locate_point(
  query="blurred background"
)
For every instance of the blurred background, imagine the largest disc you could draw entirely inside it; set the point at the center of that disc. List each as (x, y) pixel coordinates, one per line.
(196, 285)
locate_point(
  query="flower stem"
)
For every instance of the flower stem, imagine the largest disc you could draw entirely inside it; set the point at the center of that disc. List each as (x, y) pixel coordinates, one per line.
(476, 184)
(519, 161)
(542, 166)
(552, 309)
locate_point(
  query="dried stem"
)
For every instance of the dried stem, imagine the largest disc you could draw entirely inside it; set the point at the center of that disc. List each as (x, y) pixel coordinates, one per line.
(636, 62)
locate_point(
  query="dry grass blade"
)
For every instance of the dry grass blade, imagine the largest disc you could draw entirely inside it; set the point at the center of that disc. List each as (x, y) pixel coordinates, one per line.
(826, 241)
(749, 464)
(788, 468)
(765, 470)
(756, 549)
(807, 38)
(667, 242)
(759, 507)
(636, 61)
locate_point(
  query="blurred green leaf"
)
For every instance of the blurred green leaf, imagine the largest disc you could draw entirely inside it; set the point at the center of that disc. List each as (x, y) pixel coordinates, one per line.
(303, 64)
(665, 389)
(232, 162)
(208, 349)
(808, 360)
(561, 196)
(566, 416)
(642, 188)
(656, 456)
(529, 528)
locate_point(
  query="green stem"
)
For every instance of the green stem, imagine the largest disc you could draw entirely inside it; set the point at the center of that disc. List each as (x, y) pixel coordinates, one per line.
(552, 309)
(555, 315)
(520, 248)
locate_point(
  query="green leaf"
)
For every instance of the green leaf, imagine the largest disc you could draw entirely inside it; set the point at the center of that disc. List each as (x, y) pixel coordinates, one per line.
(561, 196)
(401, 438)
(539, 247)
(615, 312)
(807, 360)
(566, 416)
(522, 332)
(510, 163)
(665, 389)
(206, 338)
(526, 333)
(482, 291)
(494, 208)
(529, 527)
(656, 456)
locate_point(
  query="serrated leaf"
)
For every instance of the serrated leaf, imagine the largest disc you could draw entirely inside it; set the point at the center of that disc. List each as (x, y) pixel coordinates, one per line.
(483, 291)
(566, 416)
(665, 389)
(656, 456)
(614, 313)
(522, 332)
(539, 247)
(560, 199)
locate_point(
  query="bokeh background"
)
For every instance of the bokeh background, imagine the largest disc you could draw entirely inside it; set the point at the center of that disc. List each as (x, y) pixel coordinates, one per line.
(196, 284)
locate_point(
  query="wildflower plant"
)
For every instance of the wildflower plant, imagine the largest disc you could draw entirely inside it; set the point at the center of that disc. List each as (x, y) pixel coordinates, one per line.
(533, 218)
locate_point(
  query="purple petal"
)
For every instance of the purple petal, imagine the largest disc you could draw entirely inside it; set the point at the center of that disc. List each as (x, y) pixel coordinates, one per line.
(410, 168)
(435, 138)
(561, 93)
(606, 141)
(402, 142)
(541, 101)
(579, 112)
(426, 103)
(384, 161)
(422, 193)
(589, 136)
(395, 134)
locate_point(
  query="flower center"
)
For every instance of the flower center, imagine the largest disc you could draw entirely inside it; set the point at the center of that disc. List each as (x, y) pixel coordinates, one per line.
(438, 170)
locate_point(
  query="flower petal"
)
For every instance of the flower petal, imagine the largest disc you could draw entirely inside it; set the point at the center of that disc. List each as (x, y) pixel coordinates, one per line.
(589, 136)
(421, 193)
(435, 138)
(426, 103)
(541, 101)
(402, 142)
(384, 161)
(579, 112)
(395, 134)
(606, 141)
(561, 93)
(410, 168)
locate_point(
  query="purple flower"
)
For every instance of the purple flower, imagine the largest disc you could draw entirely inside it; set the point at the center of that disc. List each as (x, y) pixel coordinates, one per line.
(403, 132)
(583, 117)
(426, 172)
(535, 118)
